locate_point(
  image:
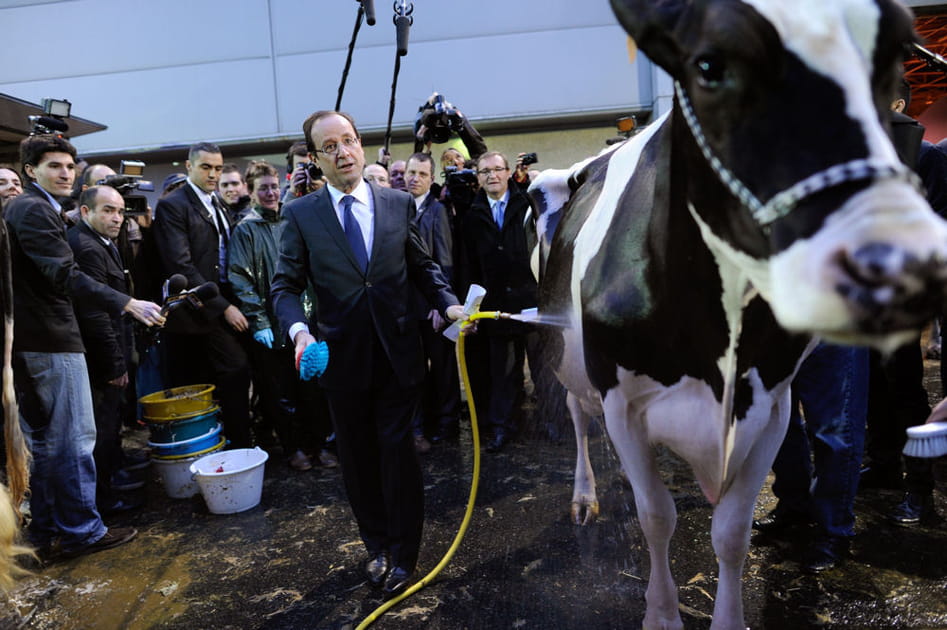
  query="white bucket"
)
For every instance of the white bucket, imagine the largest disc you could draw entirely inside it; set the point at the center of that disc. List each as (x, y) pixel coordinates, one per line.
(231, 481)
(176, 475)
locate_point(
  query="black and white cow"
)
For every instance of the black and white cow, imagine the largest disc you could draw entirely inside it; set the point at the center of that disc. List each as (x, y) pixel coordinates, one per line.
(696, 260)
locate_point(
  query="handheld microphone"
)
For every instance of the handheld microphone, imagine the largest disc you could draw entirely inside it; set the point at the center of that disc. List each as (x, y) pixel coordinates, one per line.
(194, 298)
(369, 7)
(403, 22)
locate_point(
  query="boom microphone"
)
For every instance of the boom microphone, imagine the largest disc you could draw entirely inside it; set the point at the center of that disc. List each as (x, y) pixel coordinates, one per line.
(403, 21)
(369, 7)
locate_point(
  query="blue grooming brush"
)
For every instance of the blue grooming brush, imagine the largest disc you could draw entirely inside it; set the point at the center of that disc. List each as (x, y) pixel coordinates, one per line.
(314, 360)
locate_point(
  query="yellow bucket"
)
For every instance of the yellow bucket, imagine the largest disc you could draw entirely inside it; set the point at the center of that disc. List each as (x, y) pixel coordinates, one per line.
(177, 402)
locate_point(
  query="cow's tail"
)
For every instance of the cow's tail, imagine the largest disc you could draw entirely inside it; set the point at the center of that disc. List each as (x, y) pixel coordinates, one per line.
(18, 455)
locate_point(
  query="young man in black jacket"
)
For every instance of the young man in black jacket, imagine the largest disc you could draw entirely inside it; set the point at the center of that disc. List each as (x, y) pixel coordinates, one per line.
(49, 364)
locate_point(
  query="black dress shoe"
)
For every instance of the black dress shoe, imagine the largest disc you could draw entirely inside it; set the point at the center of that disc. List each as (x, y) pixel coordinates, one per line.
(825, 553)
(879, 477)
(397, 581)
(498, 442)
(377, 568)
(781, 520)
(914, 508)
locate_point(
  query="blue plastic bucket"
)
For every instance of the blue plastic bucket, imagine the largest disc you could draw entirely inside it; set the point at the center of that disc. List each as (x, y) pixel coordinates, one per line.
(180, 430)
(186, 447)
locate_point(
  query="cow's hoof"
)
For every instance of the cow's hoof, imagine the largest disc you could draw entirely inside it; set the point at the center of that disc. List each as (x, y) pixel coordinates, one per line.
(584, 513)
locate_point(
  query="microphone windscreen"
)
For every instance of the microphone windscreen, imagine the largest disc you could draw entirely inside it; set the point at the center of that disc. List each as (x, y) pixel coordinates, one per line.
(369, 7)
(207, 291)
(176, 284)
(402, 24)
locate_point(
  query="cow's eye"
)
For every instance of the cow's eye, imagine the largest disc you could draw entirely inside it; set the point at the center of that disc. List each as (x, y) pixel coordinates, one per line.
(711, 70)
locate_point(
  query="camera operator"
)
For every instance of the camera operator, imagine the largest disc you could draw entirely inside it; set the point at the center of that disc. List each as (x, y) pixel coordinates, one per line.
(304, 175)
(50, 369)
(435, 122)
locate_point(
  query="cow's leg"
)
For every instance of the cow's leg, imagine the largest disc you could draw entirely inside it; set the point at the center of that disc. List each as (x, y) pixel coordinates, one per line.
(733, 517)
(656, 511)
(584, 499)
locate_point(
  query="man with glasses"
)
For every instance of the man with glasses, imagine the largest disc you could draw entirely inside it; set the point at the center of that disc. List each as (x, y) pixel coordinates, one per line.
(356, 245)
(498, 234)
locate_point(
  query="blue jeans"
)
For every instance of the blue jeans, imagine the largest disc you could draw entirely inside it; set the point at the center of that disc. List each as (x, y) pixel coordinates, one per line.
(58, 420)
(832, 385)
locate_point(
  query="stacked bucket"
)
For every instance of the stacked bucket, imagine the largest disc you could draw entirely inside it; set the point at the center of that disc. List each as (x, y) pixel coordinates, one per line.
(184, 427)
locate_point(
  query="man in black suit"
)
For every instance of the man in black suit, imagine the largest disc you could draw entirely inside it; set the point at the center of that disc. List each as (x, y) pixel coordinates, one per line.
(440, 407)
(107, 336)
(191, 232)
(355, 243)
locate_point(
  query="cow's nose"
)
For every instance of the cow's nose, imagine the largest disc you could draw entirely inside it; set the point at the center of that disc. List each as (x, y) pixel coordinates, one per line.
(875, 262)
(889, 288)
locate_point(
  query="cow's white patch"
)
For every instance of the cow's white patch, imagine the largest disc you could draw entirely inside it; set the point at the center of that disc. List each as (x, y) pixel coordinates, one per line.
(621, 169)
(714, 446)
(811, 30)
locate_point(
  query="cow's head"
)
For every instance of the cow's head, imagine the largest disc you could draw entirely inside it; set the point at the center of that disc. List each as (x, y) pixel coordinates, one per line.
(783, 109)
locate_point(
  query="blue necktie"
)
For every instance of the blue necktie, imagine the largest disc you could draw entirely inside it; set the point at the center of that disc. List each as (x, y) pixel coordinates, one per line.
(353, 233)
(499, 213)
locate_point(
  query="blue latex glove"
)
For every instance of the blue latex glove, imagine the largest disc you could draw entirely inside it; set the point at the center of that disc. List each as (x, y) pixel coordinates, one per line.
(314, 360)
(264, 336)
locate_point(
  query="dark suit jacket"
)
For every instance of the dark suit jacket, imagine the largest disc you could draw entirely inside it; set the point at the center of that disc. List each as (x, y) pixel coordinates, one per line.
(105, 334)
(352, 307)
(46, 278)
(187, 243)
(499, 259)
(435, 230)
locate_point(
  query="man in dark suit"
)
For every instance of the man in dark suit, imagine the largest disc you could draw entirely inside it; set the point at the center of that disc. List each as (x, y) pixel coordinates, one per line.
(49, 365)
(107, 336)
(191, 232)
(440, 406)
(355, 243)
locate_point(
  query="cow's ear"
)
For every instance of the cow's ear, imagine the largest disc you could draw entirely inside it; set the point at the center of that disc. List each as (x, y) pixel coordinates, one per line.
(652, 24)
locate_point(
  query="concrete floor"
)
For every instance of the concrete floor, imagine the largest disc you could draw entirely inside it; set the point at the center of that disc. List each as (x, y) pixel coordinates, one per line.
(293, 561)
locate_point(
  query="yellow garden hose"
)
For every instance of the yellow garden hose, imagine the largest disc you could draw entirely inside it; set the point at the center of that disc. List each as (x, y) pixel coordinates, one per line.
(427, 579)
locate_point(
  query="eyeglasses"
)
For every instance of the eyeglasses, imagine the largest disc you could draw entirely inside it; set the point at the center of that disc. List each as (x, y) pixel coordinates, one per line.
(485, 172)
(331, 148)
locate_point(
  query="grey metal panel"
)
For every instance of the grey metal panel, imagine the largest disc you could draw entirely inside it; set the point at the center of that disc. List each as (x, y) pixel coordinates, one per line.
(571, 70)
(166, 106)
(95, 37)
(176, 71)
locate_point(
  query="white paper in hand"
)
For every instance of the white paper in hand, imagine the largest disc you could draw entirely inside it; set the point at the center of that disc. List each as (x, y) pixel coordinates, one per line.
(471, 305)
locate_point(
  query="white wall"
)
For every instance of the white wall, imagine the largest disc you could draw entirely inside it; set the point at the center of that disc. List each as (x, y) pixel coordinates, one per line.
(172, 72)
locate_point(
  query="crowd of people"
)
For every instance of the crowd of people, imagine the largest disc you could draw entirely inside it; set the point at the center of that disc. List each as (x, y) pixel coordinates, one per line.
(371, 259)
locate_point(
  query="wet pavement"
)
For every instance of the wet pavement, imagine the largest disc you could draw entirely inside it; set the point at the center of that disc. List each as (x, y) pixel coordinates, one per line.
(294, 560)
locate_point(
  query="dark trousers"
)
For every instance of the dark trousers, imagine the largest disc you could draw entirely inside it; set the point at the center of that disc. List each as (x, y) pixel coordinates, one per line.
(897, 400)
(296, 409)
(817, 465)
(216, 356)
(380, 467)
(495, 364)
(440, 399)
(107, 400)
